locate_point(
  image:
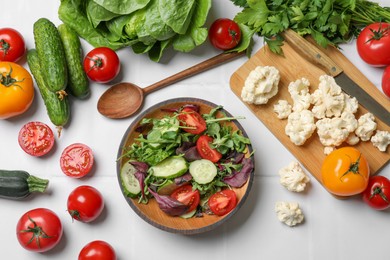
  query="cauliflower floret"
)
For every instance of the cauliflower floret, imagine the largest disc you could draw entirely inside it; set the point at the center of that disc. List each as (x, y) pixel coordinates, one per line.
(300, 126)
(352, 139)
(289, 213)
(328, 99)
(328, 149)
(299, 91)
(293, 178)
(381, 140)
(350, 104)
(261, 84)
(282, 109)
(366, 126)
(334, 131)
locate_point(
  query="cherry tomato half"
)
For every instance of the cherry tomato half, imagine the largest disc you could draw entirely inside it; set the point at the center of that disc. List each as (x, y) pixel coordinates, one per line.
(222, 202)
(85, 203)
(345, 172)
(36, 138)
(12, 45)
(102, 64)
(192, 121)
(224, 34)
(186, 195)
(377, 193)
(39, 230)
(97, 250)
(386, 81)
(76, 160)
(205, 151)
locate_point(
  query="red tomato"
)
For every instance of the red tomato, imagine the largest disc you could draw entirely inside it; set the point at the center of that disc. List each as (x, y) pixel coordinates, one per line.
(186, 195)
(377, 193)
(386, 81)
(36, 138)
(76, 160)
(205, 151)
(39, 230)
(12, 45)
(222, 202)
(97, 250)
(85, 203)
(224, 34)
(102, 64)
(192, 121)
(373, 44)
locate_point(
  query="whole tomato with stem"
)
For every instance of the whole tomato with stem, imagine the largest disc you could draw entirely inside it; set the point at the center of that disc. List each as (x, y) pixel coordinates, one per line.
(373, 44)
(102, 64)
(16, 89)
(224, 34)
(97, 250)
(39, 230)
(12, 45)
(377, 193)
(345, 172)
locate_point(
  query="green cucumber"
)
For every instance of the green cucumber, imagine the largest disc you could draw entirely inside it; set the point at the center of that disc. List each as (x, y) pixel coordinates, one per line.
(51, 54)
(130, 184)
(20, 184)
(78, 83)
(203, 171)
(57, 109)
(170, 168)
(188, 214)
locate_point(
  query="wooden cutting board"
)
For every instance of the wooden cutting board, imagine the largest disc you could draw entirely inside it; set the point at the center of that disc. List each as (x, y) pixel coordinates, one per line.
(292, 67)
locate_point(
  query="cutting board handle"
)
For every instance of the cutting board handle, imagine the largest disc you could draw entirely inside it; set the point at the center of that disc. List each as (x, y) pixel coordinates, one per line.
(311, 53)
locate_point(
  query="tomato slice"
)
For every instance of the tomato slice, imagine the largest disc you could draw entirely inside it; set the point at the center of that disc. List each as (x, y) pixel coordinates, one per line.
(205, 151)
(36, 138)
(186, 195)
(222, 202)
(76, 160)
(192, 120)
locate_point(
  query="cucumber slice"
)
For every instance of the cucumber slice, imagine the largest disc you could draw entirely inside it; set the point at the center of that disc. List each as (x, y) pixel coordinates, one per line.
(130, 183)
(170, 168)
(203, 171)
(188, 214)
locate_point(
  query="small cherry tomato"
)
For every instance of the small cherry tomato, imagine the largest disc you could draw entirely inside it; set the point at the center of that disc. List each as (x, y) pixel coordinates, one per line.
(223, 202)
(12, 45)
(191, 121)
(386, 81)
(16, 90)
(36, 138)
(39, 230)
(377, 193)
(97, 250)
(345, 172)
(85, 203)
(76, 160)
(205, 151)
(224, 34)
(186, 195)
(102, 64)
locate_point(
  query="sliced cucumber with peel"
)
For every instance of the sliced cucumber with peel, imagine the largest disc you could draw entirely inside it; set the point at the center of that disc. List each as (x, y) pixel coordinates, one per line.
(203, 171)
(170, 168)
(130, 183)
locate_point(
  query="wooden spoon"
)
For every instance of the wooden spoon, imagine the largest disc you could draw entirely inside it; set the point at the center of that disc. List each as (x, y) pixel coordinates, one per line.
(125, 99)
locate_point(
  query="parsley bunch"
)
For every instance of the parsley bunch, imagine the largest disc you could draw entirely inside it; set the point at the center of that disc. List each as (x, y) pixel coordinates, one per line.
(329, 22)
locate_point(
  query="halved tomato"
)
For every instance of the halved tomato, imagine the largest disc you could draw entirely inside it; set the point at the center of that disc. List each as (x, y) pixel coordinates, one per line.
(36, 138)
(192, 121)
(205, 150)
(76, 160)
(186, 195)
(223, 202)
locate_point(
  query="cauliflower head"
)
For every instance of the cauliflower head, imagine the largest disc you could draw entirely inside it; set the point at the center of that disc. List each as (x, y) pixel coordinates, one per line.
(366, 126)
(300, 126)
(293, 178)
(381, 140)
(289, 213)
(282, 109)
(261, 84)
(299, 91)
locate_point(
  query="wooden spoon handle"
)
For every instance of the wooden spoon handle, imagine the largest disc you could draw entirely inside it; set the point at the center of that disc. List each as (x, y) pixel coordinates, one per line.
(200, 67)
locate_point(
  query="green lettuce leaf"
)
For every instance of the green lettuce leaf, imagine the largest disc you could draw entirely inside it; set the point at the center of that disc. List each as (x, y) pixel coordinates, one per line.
(122, 6)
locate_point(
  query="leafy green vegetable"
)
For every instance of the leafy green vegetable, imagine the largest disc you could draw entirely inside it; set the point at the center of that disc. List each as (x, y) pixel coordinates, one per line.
(329, 22)
(178, 21)
(122, 6)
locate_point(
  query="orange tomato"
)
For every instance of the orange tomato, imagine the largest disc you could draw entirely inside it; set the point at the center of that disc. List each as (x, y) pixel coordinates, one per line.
(345, 172)
(16, 90)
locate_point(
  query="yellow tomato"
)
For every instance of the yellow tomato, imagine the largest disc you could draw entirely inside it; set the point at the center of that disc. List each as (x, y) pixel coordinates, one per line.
(16, 90)
(345, 172)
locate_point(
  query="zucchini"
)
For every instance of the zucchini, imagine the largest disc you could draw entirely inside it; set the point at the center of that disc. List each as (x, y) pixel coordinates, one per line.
(170, 168)
(58, 110)
(203, 171)
(78, 83)
(51, 55)
(20, 184)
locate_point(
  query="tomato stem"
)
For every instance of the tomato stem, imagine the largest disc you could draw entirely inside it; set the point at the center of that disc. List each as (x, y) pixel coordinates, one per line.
(97, 63)
(379, 191)
(378, 34)
(353, 167)
(7, 79)
(4, 46)
(37, 233)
